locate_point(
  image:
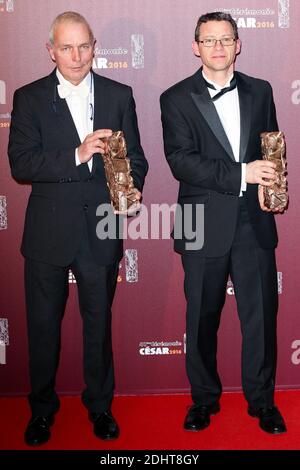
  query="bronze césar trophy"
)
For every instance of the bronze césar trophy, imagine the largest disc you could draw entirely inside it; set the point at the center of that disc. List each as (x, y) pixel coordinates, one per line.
(273, 149)
(118, 172)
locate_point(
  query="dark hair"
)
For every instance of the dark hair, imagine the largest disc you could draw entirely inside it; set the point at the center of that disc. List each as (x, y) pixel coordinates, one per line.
(216, 16)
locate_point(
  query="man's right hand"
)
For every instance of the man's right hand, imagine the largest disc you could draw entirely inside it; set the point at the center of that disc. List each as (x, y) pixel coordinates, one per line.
(93, 144)
(258, 170)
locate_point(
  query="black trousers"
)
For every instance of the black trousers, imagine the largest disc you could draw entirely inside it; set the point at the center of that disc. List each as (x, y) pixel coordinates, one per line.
(254, 276)
(46, 294)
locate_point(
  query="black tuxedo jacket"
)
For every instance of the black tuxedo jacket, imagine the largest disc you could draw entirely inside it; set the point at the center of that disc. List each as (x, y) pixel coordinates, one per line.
(64, 197)
(201, 159)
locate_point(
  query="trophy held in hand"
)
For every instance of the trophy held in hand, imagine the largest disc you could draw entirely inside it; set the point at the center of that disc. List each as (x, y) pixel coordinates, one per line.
(117, 172)
(273, 149)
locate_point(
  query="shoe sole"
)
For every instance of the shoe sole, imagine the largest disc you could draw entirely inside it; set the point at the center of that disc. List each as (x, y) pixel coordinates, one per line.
(272, 432)
(36, 444)
(106, 438)
(195, 430)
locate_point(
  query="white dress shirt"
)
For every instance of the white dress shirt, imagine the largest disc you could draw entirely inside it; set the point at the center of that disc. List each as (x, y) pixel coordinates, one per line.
(81, 107)
(228, 109)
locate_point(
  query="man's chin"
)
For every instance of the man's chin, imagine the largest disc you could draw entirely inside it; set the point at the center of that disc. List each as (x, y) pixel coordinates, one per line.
(77, 75)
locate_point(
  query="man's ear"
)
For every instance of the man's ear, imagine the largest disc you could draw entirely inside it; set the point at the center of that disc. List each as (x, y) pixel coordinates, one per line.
(195, 47)
(50, 50)
(94, 46)
(238, 46)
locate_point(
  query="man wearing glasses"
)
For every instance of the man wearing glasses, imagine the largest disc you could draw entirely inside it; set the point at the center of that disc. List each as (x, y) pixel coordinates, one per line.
(212, 123)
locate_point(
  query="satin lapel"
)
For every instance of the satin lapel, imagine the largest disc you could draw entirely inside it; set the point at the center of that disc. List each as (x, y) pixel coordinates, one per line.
(209, 113)
(102, 108)
(245, 99)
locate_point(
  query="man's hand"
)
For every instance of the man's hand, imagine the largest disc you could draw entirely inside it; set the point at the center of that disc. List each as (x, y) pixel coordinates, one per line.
(93, 144)
(258, 170)
(135, 207)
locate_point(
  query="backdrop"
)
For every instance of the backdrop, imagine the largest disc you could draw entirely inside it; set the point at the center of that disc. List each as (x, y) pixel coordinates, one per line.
(147, 44)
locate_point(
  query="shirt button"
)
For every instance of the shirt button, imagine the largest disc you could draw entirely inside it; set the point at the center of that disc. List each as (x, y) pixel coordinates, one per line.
(85, 207)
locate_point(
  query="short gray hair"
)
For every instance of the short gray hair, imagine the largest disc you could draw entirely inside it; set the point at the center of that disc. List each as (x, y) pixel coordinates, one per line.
(72, 17)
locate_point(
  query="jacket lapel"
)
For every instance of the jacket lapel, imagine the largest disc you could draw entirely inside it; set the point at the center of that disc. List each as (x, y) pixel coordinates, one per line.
(245, 100)
(102, 109)
(208, 111)
(102, 105)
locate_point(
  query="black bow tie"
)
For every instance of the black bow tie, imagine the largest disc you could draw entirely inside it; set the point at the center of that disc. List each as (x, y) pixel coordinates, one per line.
(224, 90)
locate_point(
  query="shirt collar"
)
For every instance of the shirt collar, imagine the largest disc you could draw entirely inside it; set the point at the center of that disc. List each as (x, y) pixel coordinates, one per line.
(216, 85)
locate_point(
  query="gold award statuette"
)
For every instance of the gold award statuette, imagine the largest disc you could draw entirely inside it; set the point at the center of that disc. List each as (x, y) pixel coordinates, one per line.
(273, 149)
(117, 172)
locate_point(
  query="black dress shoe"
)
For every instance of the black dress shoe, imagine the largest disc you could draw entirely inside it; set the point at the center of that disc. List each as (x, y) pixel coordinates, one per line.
(105, 426)
(198, 416)
(38, 430)
(270, 419)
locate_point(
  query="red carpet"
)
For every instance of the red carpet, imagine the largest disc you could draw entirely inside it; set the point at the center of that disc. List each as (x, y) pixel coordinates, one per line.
(155, 422)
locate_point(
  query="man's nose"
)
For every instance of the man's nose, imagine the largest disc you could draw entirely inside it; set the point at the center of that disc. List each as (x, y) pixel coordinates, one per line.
(76, 54)
(219, 44)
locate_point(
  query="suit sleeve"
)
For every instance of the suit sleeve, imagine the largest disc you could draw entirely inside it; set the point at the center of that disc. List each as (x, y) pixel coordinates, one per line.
(272, 125)
(185, 161)
(28, 160)
(138, 162)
